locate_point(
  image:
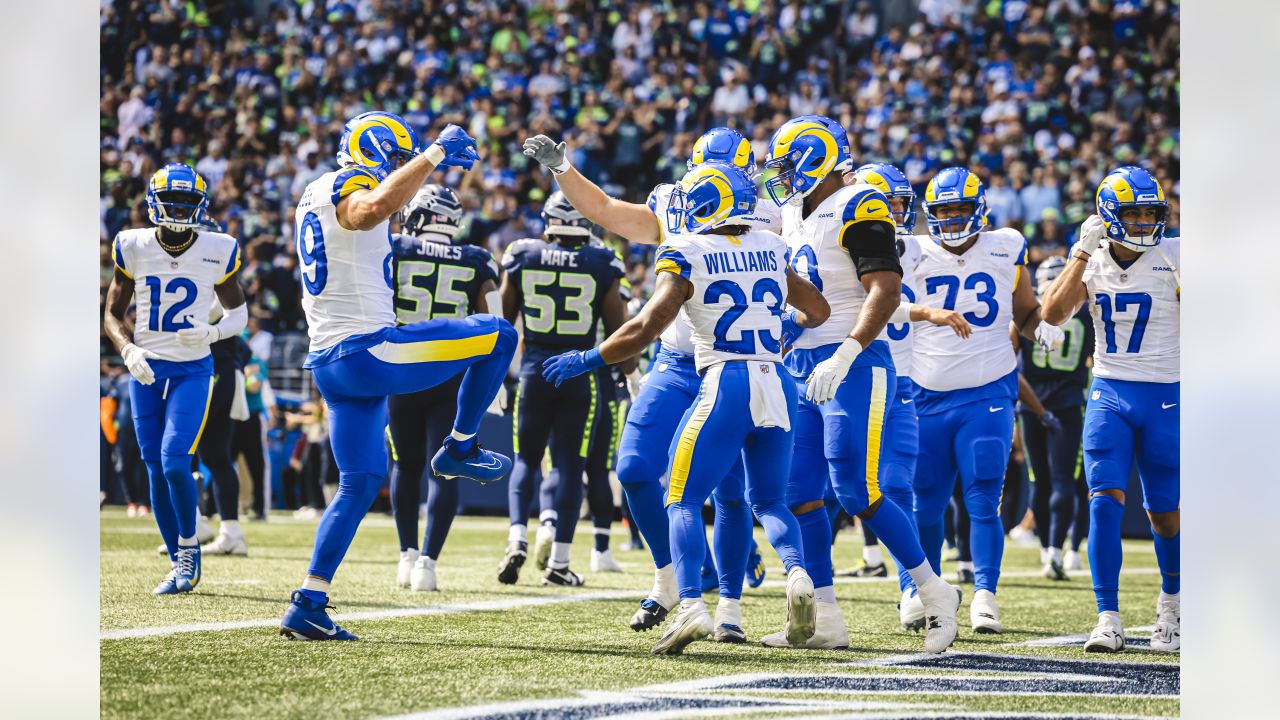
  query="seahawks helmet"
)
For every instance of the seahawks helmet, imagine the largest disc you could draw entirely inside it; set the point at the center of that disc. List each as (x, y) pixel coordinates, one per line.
(435, 209)
(1048, 271)
(560, 217)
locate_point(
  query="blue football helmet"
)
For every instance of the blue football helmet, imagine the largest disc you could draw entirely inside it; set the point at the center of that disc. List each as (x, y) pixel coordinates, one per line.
(177, 198)
(950, 186)
(709, 196)
(726, 145)
(378, 142)
(1132, 187)
(891, 181)
(434, 209)
(803, 152)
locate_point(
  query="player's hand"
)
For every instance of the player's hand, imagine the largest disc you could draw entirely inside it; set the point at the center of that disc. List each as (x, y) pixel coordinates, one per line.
(949, 318)
(828, 374)
(547, 153)
(1051, 422)
(1091, 233)
(635, 380)
(1049, 337)
(791, 330)
(568, 365)
(135, 358)
(459, 148)
(198, 334)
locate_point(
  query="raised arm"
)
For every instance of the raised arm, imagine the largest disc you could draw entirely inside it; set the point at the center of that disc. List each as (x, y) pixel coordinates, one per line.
(368, 205)
(1068, 292)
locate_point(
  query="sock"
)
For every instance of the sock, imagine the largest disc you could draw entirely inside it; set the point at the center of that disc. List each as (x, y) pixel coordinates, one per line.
(872, 556)
(406, 492)
(162, 507)
(964, 565)
(481, 383)
(602, 539)
(1105, 551)
(815, 532)
(560, 555)
(462, 442)
(338, 525)
(231, 527)
(922, 574)
(729, 612)
(548, 517)
(517, 532)
(188, 542)
(1168, 557)
(664, 589)
(731, 545)
(825, 594)
(315, 589)
(784, 533)
(427, 562)
(693, 604)
(689, 545)
(1055, 555)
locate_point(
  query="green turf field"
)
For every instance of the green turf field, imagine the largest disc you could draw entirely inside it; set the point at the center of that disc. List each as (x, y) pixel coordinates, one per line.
(567, 652)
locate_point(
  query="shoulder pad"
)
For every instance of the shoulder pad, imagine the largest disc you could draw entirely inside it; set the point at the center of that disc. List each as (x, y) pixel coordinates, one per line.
(670, 259)
(349, 180)
(862, 203)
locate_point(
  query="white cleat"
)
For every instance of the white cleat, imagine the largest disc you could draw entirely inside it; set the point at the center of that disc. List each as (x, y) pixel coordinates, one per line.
(690, 625)
(1167, 637)
(602, 561)
(911, 611)
(226, 544)
(204, 531)
(407, 559)
(830, 632)
(941, 601)
(542, 545)
(1071, 560)
(802, 613)
(1024, 537)
(984, 613)
(422, 578)
(1107, 635)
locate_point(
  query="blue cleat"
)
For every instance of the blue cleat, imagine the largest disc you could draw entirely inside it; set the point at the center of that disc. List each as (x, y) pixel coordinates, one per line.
(167, 586)
(475, 463)
(306, 619)
(755, 566)
(186, 569)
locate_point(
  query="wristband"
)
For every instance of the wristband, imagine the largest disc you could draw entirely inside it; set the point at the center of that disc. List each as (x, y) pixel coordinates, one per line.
(591, 359)
(849, 350)
(435, 153)
(902, 313)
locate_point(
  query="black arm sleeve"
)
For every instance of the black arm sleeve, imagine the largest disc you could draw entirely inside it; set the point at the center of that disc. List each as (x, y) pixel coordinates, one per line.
(873, 246)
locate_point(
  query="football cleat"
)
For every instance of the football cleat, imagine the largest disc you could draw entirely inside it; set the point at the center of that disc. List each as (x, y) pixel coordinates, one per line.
(602, 561)
(509, 568)
(650, 615)
(1054, 570)
(941, 601)
(562, 576)
(204, 531)
(306, 619)
(478, 464)
(1071, 560)
(984, 613)
(1107, 635)
(870, 571)
(187, 569)
(167, 586)
(542, 545)
(227, 544)
(729, 633)
(964, 575)
(911, 610)
(1024, 537)
(422, 577)
(802, 613)
(829, 632)
(755, 566)
(405, 566)
(690, 625)
(1167, 636)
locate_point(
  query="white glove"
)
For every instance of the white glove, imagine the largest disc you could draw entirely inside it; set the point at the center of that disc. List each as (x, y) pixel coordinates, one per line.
(635, 380)
(135, 358)
(828, 374)
(1049, 336)
(199, 334)
(1091, 233)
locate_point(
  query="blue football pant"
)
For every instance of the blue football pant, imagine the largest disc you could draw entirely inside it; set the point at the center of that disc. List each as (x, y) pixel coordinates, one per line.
(731, 534)
(974, 442)
(418, 425)
(413, 358)
(901, 445)
(1054, 458)
(716, 432)
(168, 416)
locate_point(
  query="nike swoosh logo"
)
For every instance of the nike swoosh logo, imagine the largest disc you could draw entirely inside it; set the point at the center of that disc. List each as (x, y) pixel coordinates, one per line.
(1166, 407)
(907, 402)
(996, 409)
(494, 466)
(326, 631)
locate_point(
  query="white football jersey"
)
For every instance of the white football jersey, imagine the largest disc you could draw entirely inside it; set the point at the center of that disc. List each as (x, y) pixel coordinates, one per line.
(1135, 314)
(346, 274)
(979, 284)
(900, 335)
(170, 292)
(739, 286)
(816, 254)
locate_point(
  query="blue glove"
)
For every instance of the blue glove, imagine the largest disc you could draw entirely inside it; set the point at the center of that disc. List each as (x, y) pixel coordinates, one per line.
(1051, 422)
(561, 367)
(459, 148)
(790, 329)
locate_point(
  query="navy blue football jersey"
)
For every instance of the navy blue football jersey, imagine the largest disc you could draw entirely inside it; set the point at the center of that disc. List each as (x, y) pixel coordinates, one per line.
(1059, 377)
(561, 290)
(436, 279)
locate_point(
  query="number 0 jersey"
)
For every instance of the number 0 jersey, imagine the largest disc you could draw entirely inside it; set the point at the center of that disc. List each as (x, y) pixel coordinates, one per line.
(739, 285)
(900, 337)
(437, 279)
(560, 290)
(346, 274)
(1135, 312)
(171, 291)
(978, 284)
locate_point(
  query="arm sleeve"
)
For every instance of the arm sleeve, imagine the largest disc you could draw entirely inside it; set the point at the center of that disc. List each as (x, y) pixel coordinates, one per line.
(868, 234)
(350, 180)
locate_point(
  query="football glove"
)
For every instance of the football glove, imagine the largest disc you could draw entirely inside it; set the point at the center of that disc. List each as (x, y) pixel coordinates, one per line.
(198, 334)
(635, 380)
(828, 374)
(459, 148)
(135, 358)
(547, 153)
(1049, 337)
(790, 328)
(1050, 422)
(568, 365)
(1091, 233)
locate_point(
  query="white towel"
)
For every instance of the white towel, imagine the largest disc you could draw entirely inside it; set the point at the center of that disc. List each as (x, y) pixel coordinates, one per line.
(239, 400)
(768, 402)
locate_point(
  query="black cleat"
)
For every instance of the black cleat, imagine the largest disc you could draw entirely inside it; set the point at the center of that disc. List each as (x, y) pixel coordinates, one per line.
(649, 616)
(869, 571)
(509, 568)
(726, 633)
(562, 576)
(964, 576)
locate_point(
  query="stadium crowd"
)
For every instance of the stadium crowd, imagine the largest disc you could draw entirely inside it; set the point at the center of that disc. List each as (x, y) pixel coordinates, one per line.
(1039, 97)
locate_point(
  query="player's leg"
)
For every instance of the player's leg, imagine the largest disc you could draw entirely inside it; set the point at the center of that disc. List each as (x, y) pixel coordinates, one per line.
(1159, 442)
(442, 493)
(964, 534)
(532, 427)
(215, 452)
(148, 403)
(575, 405)
(604, 437)
(407, 429)
(1108, 457)
(1064, 454)
(1080, 519)
(186, 405)
(897, 470)
(1035, 443)
(731, 547)
(981, 445)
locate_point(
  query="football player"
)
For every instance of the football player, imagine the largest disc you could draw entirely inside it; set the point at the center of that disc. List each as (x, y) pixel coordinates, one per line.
(968, 386)
(669, 389)
(1126, 271)
(183, 269)
(435, 278)
(359, 355)
(562, 286)
(843, 238)
(744, 408)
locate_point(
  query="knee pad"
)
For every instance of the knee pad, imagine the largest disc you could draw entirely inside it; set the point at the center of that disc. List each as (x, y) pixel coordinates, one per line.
(990, 458)
(177, 468)
(634, 471)
(361, 487)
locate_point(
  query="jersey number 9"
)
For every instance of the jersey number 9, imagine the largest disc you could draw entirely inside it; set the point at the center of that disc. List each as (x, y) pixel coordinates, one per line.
(312, 258)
